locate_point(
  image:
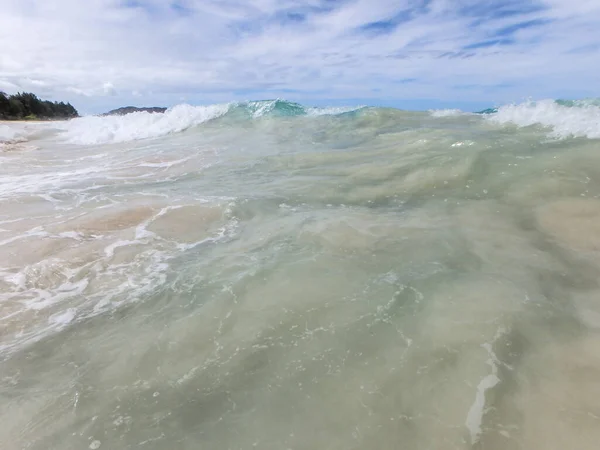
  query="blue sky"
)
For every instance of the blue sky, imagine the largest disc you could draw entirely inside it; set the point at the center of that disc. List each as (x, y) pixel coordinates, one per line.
(417, 54)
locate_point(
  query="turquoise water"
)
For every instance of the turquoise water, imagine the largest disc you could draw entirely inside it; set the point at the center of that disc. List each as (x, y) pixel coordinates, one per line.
(267, 275)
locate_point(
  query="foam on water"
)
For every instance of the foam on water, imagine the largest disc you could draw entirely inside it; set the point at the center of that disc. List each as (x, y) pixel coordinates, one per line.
(447, 113)
(580, 119)
(477, 411)
(96, 130)
(139, 125)
(309, 282)
(333, 111)
(128, 260)
(7, 133)
(62, 319)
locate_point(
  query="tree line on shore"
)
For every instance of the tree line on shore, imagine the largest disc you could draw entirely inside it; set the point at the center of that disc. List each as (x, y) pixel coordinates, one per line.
(27, 106)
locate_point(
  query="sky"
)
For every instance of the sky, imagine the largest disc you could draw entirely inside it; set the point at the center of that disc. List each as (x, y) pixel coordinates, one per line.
(410, 54)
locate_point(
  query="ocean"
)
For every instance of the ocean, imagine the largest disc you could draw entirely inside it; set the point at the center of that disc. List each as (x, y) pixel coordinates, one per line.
(264, 275)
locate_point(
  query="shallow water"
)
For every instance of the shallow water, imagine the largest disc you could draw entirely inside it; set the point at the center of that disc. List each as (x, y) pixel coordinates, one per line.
(369, 280)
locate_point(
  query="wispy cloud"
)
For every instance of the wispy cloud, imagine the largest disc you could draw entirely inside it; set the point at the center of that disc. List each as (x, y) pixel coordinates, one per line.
(101, 52)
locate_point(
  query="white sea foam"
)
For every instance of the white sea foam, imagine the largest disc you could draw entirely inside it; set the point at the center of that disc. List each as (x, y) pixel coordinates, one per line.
(139, 125)
(21, 132)
(447, 112)
(39, 182)
(477, 410)
(164, 164)
(260, 108)
(63, 318)
(95, 130)
(7, 133)
(580, 120)
(332, 111)
(275, 275)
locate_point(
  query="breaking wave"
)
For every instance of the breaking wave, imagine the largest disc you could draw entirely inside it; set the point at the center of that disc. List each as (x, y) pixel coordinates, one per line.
(563, 118)
(6, 133)
(139, 125)
(580, 118)
(95, 130)
(447, 112)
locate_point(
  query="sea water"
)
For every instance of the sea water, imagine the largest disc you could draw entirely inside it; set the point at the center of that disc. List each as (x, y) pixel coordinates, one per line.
(263, 275)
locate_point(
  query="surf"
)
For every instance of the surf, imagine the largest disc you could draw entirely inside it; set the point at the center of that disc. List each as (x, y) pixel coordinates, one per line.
(308, 277)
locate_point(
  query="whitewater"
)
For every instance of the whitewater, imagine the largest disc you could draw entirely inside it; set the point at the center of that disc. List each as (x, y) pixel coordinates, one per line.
(265, 275)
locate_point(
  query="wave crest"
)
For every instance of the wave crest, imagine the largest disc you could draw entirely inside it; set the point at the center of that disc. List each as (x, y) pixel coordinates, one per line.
(95, 130)
(579, 118)
(139, 125)
(447, 113)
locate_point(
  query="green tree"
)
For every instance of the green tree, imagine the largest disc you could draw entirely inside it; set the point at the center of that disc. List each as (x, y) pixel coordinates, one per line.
(24, 104)
(16, 109)
(4, 105)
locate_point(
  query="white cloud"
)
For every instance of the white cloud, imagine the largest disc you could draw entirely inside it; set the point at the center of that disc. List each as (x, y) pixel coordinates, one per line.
(109, 89)
(78, 91)
(380, 49)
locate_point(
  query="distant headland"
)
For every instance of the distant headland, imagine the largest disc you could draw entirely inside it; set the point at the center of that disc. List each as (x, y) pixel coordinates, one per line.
(27, 106)
(132, 109)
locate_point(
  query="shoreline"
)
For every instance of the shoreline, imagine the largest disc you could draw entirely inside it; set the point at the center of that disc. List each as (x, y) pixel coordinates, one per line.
(8, 122)
(37, 120)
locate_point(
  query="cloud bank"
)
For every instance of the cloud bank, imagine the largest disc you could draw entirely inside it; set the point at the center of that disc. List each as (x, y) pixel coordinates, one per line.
(99, 52)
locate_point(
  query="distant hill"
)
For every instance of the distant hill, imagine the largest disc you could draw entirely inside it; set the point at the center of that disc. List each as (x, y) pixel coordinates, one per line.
(132, 109)
(27, 106)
